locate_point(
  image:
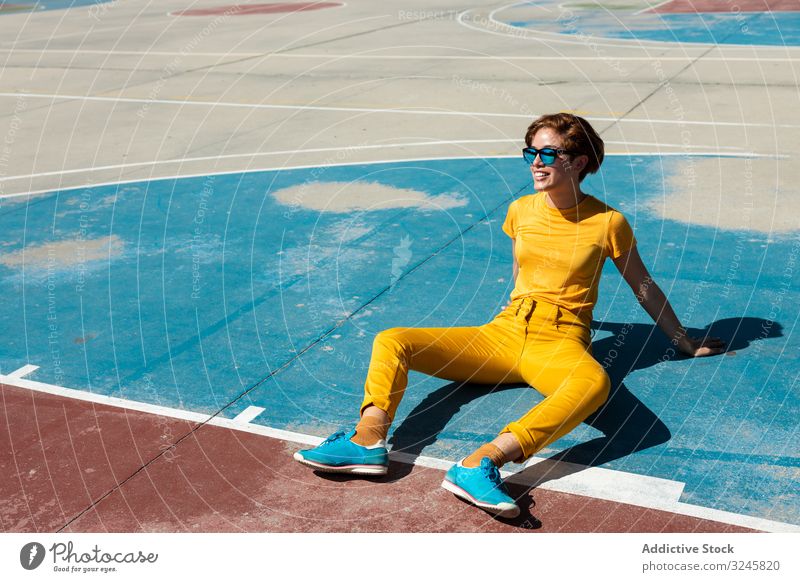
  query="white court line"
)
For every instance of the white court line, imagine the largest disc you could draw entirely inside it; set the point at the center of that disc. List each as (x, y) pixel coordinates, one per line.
(185, 102)
(410, 57)
(516, 32)
(134, 53)
(388, 161)
(527, 57)
(23, 371)
(235, 156)
(249, 414)
(532, 58)
(4, 179)
(596, 482)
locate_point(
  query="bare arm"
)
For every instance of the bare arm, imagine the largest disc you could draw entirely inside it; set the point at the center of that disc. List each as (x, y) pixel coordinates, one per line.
(655, 303)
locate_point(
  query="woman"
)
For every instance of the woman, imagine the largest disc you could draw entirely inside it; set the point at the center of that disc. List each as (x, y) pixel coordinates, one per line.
(560, 238)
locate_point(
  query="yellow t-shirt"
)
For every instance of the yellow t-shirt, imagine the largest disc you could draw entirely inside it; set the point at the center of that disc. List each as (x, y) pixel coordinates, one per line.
(560, 252)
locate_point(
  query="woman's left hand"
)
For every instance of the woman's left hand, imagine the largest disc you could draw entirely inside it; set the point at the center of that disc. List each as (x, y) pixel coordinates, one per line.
(698, 347)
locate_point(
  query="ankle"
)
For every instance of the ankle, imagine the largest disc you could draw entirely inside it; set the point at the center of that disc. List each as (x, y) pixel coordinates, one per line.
(494, 453)
(370, 430)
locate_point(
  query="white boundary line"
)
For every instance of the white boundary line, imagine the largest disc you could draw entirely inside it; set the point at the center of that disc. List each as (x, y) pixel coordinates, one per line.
(420, 111)
(111, 53)
(732, 151)
(596, 482)
(530, 34)
(23, 371)
(249, 414)
(64, 190)
(409, 57)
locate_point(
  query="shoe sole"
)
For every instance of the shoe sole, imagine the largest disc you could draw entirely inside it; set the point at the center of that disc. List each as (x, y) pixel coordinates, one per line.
(505, 510)
(348, 469)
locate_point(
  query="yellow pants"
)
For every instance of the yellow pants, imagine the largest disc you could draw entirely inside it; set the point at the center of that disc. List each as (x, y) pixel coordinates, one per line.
(540, 344)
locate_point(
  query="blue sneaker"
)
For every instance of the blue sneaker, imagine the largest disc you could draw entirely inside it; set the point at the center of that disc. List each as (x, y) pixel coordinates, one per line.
(338, 454)
(481, 486)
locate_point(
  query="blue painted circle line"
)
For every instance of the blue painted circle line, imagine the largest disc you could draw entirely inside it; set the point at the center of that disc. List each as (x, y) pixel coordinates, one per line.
(622, 22)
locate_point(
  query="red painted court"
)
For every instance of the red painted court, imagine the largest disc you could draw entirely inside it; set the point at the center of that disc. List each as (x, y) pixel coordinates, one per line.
(83, 467)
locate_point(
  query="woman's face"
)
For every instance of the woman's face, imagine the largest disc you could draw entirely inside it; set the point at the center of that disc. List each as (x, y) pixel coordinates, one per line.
(564, 173)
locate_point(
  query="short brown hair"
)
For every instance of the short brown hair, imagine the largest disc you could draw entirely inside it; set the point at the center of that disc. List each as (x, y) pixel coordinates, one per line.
(579, 137)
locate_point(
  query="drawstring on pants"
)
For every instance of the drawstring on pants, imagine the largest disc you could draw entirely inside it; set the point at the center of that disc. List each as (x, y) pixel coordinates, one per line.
(528, 305)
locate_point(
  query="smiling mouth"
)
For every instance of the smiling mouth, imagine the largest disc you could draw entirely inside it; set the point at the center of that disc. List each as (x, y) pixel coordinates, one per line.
(540, 175)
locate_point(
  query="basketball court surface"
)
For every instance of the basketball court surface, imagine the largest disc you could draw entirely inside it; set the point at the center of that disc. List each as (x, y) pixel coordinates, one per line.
(208, 211)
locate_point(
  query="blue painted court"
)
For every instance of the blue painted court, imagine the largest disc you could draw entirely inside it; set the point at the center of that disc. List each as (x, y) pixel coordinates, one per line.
(215, 293)
(738, 23)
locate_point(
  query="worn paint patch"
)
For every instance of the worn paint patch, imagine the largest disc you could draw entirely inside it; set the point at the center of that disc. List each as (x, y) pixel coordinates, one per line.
(64, 253)
(732, 193)
(363, 196)
(104, 202)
